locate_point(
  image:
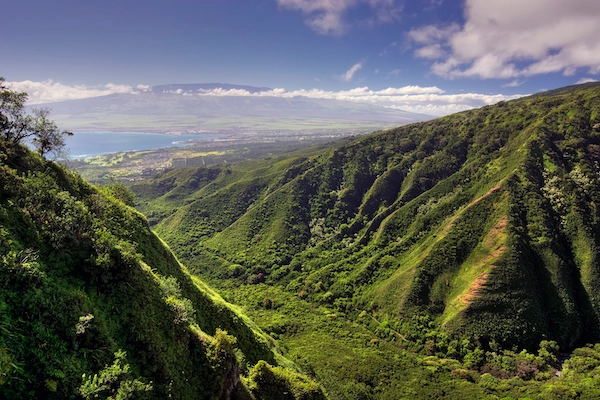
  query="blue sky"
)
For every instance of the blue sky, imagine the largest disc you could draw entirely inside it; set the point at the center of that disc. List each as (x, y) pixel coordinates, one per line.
(434, 56)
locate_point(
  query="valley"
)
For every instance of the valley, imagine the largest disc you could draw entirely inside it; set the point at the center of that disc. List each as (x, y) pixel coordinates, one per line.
(447, 233)
(453, 258)
(300, 200)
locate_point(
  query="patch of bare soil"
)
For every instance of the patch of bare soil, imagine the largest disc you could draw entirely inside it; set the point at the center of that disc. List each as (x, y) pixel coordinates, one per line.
(488, 241)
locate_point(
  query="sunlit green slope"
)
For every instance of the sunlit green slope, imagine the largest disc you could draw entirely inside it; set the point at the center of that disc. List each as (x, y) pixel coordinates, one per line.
(93, 304)
(485, 221)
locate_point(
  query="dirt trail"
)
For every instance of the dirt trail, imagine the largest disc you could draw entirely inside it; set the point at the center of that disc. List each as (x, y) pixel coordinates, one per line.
(450, 223)
(492, 190)
(488, 241)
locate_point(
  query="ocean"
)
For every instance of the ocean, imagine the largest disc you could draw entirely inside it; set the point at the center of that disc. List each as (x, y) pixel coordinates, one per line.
(88, 144)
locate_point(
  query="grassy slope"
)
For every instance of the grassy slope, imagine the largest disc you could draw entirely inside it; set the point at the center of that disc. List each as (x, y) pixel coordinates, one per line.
(83, 277)
(482, 223)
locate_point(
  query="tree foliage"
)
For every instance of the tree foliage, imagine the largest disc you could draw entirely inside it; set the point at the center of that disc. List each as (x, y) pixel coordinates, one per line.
(17, 125)
(113, 382)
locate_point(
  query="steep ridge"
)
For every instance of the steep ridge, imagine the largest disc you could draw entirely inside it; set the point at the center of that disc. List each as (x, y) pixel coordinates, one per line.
(87, 289)
(485, 221)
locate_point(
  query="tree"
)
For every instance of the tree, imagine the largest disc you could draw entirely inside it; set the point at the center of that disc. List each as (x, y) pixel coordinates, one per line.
(47, 138)
(13, 120)
(17, 125)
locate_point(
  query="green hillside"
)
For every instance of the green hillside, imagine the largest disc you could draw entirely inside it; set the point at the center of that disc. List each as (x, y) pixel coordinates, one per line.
(95, 305)
(468, 238)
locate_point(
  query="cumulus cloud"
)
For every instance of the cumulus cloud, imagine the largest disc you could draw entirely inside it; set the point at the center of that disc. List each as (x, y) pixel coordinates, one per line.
(347, 77)
(429, 100)
(431, 51)
(586, 80)
(50, 91)
(513, 83)
(512, 38)
(431, 34)
(329, 17)
(432, 40)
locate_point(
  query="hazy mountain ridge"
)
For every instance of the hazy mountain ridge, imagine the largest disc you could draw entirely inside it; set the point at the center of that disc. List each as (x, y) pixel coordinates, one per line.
(196, 87)
(180, 107)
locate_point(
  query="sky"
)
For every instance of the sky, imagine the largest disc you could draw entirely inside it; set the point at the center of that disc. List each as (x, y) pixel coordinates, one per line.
(428, 56)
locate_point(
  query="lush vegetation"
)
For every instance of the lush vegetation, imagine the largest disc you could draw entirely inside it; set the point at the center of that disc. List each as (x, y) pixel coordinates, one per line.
(451, 258)
(94, 305)
(455, 258)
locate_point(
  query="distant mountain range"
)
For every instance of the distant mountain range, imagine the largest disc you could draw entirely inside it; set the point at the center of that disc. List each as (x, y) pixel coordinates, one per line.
(187, 107)
(196, 87)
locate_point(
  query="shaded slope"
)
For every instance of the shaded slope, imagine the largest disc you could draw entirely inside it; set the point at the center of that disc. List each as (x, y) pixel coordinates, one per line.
(85, 285)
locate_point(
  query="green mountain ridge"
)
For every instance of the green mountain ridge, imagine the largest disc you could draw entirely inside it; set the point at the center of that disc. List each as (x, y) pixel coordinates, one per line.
(483, 223)
(95, 305)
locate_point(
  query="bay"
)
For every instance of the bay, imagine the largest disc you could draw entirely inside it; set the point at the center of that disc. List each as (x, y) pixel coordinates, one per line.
(89, 144)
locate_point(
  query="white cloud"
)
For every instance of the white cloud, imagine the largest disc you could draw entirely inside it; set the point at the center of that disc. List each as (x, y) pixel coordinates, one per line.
(585, 80)
(231, 92)
(429, 99)
(112, 88)
(432, 39)
(431, 51)
(431, 34)
(512, 38)
(329, 17)
(350, 73)
(514, 83)
(50, 91)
